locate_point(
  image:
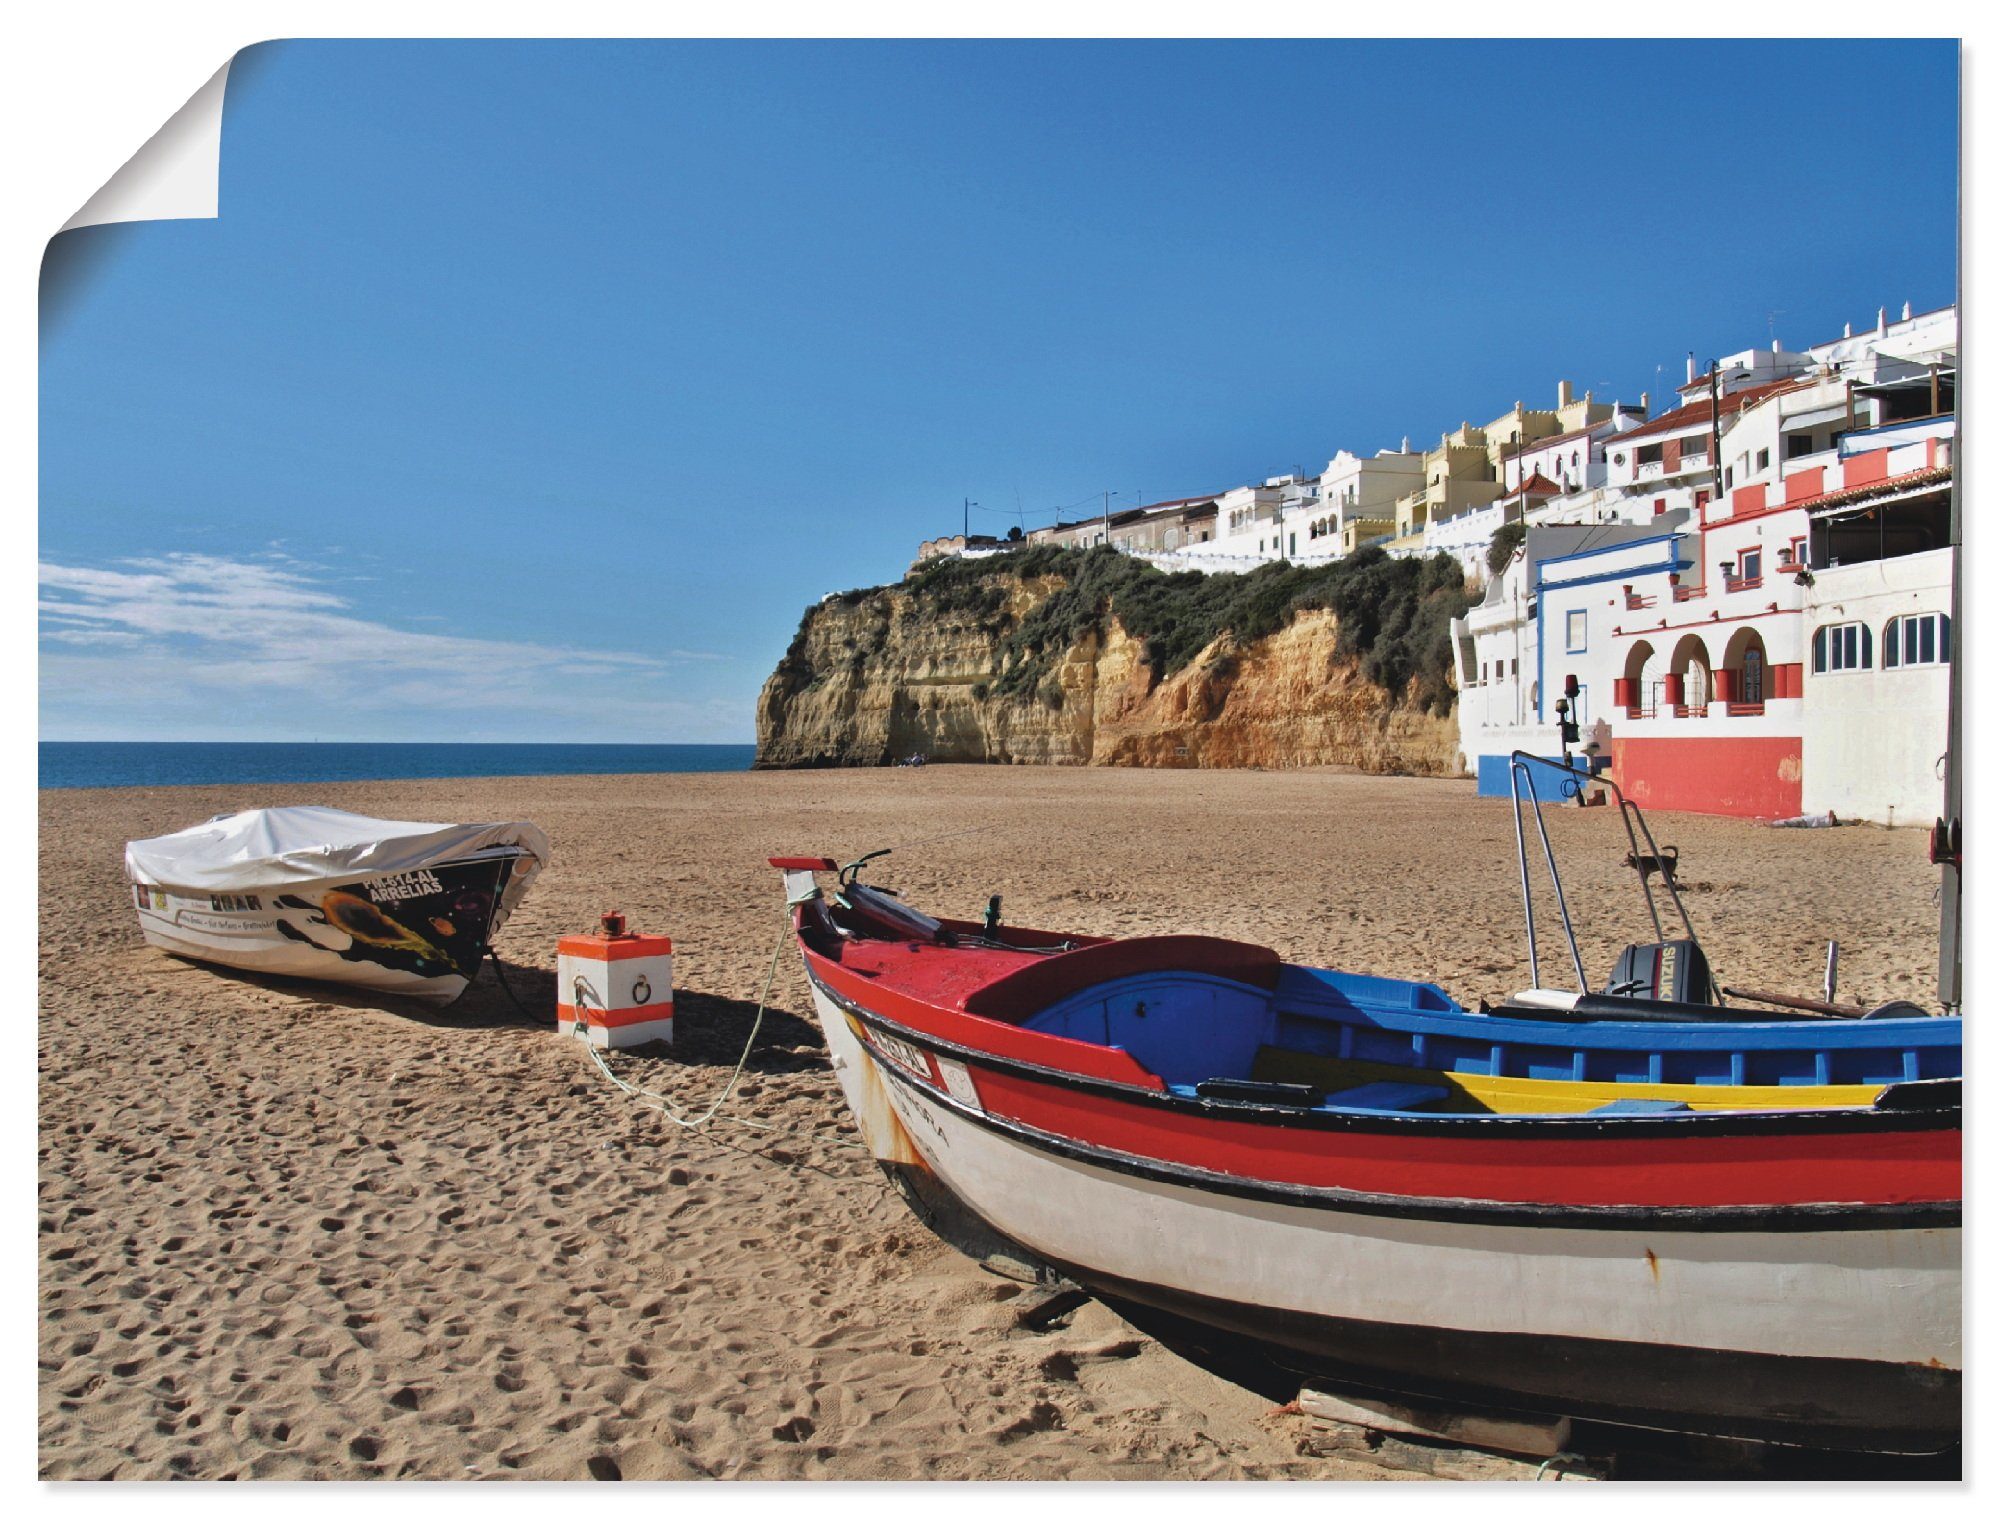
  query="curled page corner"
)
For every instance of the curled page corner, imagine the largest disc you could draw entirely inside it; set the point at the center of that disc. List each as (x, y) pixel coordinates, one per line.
(175, 176)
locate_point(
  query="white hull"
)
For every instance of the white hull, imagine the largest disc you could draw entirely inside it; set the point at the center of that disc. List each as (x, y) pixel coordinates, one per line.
(273, 956)
(286, 930)
(1887, 1297)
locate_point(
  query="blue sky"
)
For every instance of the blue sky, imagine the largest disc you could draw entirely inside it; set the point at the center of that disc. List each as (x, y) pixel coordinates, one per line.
(532, 390)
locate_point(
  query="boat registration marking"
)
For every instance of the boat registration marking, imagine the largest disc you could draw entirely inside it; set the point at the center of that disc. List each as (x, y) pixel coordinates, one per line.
(958, 1082)
(905, 1054)
(215, 923)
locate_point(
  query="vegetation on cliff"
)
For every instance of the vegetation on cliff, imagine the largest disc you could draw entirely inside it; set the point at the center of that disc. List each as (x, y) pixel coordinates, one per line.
(1395, 614)
(1046, 655)
(1506, 538)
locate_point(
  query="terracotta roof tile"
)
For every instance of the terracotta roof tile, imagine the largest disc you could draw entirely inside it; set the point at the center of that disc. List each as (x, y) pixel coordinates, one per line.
(1698, 413)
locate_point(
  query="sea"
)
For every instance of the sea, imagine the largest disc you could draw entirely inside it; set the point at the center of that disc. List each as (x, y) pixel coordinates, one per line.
(67, 766)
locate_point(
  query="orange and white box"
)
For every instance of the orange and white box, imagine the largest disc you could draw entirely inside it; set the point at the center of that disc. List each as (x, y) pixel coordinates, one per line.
(616, 990)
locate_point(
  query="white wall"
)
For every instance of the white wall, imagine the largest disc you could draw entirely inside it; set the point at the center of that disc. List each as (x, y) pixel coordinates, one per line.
(1873, 737)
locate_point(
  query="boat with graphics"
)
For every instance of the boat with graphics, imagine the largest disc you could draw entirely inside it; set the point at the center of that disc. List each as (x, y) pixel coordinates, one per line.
(406, 908)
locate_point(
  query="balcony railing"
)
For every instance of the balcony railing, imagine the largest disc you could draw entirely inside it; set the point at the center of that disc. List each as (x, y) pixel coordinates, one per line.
(1690, 592)
(1748, 583)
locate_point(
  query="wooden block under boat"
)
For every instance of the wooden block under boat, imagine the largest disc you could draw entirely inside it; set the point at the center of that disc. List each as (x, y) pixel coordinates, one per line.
(1539, 1439)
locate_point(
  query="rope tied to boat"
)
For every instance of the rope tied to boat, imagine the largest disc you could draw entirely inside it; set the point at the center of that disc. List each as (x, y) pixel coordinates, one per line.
(671, 1110)
(663, 1103)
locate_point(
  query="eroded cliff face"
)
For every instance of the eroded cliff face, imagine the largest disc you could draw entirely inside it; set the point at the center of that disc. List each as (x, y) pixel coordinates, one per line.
(871, 680)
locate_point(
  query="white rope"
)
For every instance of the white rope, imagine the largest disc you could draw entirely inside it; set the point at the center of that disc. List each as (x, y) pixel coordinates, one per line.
(672, 1111)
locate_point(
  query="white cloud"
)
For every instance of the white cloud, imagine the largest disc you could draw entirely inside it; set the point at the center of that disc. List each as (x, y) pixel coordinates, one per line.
(204, 637)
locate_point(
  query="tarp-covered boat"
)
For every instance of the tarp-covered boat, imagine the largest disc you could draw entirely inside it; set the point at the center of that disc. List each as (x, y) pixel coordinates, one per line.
(1187, 1123)
(399, 907)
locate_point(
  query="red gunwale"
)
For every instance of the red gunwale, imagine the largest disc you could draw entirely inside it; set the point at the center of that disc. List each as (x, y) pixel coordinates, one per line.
(1049, 1050)
(1690, 1170)
(1505, 1165)
(966, 995)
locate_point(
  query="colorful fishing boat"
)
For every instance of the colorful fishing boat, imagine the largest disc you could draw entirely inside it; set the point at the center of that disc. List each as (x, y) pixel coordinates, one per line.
(398, 907)
(1287, 1153)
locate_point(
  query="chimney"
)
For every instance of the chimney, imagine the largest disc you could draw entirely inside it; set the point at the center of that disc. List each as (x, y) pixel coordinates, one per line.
(1847, 329)
(1562, 393)
(1906, 311)
(1881, 319)
(1645, 402)
(1690, 369)
(1776, 346)
(1406, 442)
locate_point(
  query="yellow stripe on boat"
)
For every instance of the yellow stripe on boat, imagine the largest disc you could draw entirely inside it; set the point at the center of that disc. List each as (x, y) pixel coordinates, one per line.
(1469, 1093)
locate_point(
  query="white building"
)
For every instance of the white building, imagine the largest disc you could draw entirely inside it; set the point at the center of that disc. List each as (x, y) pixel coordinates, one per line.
(1878, 636)
(1251, 520)
(1357, 499)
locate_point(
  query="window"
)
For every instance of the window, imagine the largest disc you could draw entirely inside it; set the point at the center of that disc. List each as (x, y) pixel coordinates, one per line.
(1843, 646)
(1575, 627)
(1924, 640)
(1763, 460)
(1753, 677)
(1752, 566)
(1798, 446)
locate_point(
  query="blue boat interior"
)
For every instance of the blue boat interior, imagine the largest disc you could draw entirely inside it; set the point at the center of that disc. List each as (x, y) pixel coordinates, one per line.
(1199, 1031)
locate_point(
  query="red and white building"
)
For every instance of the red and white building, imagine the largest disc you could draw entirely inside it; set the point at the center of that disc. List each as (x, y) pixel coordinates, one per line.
(1777, 648)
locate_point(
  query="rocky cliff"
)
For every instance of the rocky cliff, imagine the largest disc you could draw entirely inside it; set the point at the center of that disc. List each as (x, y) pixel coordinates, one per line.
(1006, 666)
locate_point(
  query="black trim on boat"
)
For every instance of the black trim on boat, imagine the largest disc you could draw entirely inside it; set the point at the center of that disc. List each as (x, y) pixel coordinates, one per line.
(1796, 1218)
(1942, 1099)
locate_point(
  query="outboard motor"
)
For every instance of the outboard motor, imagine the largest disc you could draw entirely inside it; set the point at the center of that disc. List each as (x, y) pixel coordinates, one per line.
(1671, 971)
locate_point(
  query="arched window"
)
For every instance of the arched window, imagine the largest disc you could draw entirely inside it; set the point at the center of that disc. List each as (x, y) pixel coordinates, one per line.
(1843, 646)
(1919, 640)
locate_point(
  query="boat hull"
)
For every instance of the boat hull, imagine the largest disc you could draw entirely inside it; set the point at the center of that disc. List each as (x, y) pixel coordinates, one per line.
(1673, 1318)
(416, 933)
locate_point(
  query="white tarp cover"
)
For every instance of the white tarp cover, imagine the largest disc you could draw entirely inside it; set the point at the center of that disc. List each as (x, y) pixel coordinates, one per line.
(271, 847)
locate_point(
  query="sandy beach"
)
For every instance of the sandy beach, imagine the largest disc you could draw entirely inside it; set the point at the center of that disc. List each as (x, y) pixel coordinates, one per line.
(287, 1234)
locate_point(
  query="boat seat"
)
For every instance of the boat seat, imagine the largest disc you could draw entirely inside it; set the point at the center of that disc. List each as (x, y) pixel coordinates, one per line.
(1043, 981)
(1629, 1107)
(1400, 1096)
(1276, 1063)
